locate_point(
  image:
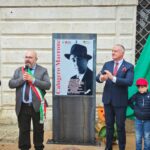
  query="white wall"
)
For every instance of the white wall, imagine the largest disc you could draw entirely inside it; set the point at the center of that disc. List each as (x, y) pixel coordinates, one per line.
(29, 25)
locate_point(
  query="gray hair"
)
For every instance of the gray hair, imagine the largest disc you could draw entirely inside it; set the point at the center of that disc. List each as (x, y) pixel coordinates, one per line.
(122, 47)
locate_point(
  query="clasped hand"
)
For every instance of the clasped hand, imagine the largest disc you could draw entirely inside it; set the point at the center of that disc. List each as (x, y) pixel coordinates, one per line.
(107, 75)
(27, 77)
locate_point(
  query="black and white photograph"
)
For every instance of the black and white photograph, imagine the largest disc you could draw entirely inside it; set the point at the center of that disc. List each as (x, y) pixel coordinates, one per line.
(74, 66)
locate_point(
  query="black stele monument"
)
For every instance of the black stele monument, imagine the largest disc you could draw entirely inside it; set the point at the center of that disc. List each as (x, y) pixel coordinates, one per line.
(74, 68)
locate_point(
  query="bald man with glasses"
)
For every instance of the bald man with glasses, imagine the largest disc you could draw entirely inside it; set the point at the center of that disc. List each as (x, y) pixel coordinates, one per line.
(26, 80)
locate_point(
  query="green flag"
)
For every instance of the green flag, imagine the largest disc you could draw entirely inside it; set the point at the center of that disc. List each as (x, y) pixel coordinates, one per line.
(141, 70)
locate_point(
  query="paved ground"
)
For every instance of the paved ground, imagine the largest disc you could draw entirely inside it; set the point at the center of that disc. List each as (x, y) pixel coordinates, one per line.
(9, 139)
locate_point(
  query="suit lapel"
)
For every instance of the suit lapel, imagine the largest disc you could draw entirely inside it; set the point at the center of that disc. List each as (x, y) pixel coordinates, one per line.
(112, 67)
(85, 75)
(36, 70)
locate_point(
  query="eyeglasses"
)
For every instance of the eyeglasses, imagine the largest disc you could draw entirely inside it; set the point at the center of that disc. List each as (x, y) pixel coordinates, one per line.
(28, 57)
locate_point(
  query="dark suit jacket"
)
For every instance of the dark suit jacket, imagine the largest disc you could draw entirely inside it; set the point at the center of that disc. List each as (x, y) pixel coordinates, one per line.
(117, 93)
(42, 81)
(83, 88)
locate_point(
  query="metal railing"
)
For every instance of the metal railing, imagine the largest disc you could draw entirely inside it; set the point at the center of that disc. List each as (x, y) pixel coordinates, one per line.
(142, 25)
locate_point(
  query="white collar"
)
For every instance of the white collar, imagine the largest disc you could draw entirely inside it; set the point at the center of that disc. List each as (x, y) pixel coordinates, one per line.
(80, 76)
(119, 62)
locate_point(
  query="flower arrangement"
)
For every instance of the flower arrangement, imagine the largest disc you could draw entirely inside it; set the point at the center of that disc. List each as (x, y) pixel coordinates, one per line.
(101, 127)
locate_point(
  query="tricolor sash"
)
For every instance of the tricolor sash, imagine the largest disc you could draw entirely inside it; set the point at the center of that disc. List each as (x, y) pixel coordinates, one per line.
(40, 96)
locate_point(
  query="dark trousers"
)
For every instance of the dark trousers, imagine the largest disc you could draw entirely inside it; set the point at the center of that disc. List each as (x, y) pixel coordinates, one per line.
(118, 115)
(24, 122)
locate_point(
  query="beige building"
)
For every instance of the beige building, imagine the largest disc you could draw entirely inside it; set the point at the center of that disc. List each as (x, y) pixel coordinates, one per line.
(28, 25)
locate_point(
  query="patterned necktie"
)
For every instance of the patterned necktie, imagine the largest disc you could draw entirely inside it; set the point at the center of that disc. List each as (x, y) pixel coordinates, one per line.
(115, 69)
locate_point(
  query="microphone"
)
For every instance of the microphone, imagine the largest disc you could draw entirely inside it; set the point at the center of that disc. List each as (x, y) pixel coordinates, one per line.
(26, 70)
(103, 73)
(26, 67)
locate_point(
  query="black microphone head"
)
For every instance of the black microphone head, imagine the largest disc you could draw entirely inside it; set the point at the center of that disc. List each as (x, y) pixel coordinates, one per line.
(103, 73)
(26, 67)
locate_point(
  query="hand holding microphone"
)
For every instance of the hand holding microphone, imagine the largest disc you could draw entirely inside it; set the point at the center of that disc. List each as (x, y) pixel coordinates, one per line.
(103, 76)
(109, 74)
(26, 75)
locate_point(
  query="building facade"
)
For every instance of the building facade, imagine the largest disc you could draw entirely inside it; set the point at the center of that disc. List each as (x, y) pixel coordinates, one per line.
(26, 25)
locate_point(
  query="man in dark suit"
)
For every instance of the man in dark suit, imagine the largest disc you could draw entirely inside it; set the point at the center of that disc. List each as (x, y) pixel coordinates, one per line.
(82, 82)
(118, 75)
(27, 101)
